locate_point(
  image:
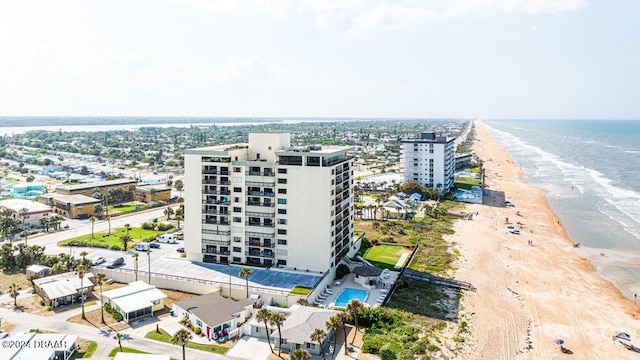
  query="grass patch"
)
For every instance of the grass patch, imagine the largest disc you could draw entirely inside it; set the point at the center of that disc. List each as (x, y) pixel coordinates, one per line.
(85, 352)
(164, 337)
(126, 350)
(300, 290)
(112, 241)
(384, 256)
(127, 208)
(466, 182)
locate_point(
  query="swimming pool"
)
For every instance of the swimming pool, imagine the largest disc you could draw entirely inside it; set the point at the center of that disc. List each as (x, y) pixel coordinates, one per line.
(349, 294)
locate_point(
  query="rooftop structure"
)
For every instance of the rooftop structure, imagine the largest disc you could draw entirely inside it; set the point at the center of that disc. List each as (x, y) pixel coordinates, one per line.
(429, 160)
(26, 210)
(61, 289)
(137, 300)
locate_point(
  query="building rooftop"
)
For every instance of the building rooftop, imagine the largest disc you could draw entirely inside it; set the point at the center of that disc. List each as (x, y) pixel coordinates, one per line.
(213, 308)
(302, 321)
(65, 284)
(138, 295)
(19, 204)
(50, 343)
(36, 268)
(367, 271)
(71, 199)
(98, 184)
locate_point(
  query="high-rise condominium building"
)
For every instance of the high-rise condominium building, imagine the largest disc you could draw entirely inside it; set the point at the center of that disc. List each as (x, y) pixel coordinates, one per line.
(429, 160)
(267, 203)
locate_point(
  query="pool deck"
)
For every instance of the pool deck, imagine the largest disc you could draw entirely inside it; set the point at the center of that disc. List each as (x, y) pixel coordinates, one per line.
(348, 282)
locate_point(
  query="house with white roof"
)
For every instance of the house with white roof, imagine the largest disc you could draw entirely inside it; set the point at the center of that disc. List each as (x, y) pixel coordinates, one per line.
(33, 210)
(37, 270)
(40, 347)
(296, 330)
(135, 301)
(63, 289)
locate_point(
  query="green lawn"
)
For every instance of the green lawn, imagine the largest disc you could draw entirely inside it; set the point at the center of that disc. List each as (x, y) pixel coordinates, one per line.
(104, 240)
(126, 208)
(126, 350)
(466, 182)
(91, 348)
(384, 256)
(300, 290)
(164, 337)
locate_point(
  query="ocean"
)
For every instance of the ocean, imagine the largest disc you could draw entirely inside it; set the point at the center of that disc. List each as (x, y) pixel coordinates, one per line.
(591, 170)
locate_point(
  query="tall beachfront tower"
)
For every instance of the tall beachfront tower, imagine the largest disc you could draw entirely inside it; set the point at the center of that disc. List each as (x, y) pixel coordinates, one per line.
(429, 160)
(270, 204)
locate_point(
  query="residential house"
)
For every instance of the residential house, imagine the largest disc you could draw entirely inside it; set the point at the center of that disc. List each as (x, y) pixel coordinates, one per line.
(63, 289)
(135, 301)
(35, 346)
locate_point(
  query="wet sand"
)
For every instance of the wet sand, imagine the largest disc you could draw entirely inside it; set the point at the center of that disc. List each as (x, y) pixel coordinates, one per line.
(529, 295)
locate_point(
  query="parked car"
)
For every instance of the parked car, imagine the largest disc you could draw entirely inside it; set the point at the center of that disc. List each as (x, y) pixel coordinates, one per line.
(143, 246)
(166, 238)
(180, 249)
(115, 262)
(154, 245)
(98, 260)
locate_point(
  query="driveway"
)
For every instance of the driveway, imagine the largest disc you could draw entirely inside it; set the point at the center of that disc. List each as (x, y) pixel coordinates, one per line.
(250, 348)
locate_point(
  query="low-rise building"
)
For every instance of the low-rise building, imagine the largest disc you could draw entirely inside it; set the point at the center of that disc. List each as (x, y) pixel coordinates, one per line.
(26, 210)
(216, 315)
(40, 347)
(37, 270)
(135, 301)
(70, 206)
(63, 289)
(152, 193)
(367, 276)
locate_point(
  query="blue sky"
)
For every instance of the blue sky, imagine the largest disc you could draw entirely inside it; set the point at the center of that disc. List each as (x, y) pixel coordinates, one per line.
(344, 58)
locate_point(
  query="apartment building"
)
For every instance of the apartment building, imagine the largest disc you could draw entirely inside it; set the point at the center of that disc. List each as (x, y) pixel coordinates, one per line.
(429, 160)
(268, 203)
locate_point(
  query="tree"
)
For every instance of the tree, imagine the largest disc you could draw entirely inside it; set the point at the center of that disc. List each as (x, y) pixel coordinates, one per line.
(99, 280)
(353, 307)
(178, 218)
(14, 291)
(333, 324)
(318, 336)
(84, 257)
(109, 222)
(168, 211)
(125, 239)
(181, 338)
(179, 184)
(23, 212)
(245, 273)
(93, 221)
(82, 271)
(300, 354)
(98, 210)
(118, 337)
(277, 319)
(264, 315)
(153, 193)
(135, 257)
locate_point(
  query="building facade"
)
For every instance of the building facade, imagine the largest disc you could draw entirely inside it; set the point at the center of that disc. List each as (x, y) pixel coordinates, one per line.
(429, 160)
(269, 204)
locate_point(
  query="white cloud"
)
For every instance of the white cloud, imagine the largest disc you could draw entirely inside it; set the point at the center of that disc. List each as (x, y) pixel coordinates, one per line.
(358, 17)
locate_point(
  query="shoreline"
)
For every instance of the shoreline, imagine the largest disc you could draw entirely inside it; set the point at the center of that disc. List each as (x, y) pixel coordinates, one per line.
(534, 287)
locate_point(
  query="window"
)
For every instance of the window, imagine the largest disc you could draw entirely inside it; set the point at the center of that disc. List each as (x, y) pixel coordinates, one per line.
(282, 201)
(236, 259)
(282, 221)
(282, 191)
(282, 181)
(282, 242)
(237, 239)
(237, 209)
(310, 345)
(282, 171)
(282, 232)
(237, 189)
(282, 262)
(237, 249)
(199, 323)
(237, 169)
(236, 199)
(282, 211)
(237, 219)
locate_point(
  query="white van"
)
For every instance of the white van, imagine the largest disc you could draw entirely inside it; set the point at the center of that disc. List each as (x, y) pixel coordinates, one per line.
(142, 246)
(166, 238)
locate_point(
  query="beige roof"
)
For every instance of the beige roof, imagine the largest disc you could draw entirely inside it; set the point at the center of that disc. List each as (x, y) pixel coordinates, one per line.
(213, 309)
(72, 199)
(65, 284)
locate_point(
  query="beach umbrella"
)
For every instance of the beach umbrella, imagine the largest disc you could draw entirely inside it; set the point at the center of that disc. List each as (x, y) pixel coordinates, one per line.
(558, 341)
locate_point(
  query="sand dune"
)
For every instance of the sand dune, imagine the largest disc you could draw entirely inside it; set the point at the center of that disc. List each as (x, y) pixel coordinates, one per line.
(529, 295)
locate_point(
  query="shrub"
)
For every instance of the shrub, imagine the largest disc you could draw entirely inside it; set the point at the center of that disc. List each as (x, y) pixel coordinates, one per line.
(197, 330)
(341, 271)
(115, 247)
(47, 308)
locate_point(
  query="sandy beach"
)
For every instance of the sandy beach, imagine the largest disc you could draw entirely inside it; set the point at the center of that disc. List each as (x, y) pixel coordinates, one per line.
(534, 287)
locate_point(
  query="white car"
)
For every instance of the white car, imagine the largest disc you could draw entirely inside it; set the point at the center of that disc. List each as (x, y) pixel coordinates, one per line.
(97, 261)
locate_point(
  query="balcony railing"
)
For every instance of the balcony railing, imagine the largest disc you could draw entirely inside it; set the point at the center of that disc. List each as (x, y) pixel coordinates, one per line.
(257, 203)
(211, 212)
(261, 193)
(210, 222)
(264, 254)
(260, 173)
(214, 172)
(216, 182)
(212, 192)
(216, 252)
(216, 242)
(259, 224)
(216, 202)
(260, 234)
(261, 183)
(260, 214)
(269, 244)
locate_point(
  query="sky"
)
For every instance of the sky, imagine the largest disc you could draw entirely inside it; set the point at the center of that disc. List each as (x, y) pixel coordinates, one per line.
(486, 59)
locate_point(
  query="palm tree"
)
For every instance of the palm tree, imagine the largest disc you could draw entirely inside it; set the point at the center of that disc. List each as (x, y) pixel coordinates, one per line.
(99, 280)
(333, 324)
(125, 239)
(264, 315)
(178, 218)
(343, 318)
(300, 354)
(82, 271)
(25, 235)
(109, 221)
(245, 273)
(14, 291)
(277, 319)
(118, 337)
(353, 307)
(93, 221)
(318, 336)
(23, 212)
(98, 210)
(181, 338)
(135, 257)
(168, 211)
(84, 257)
